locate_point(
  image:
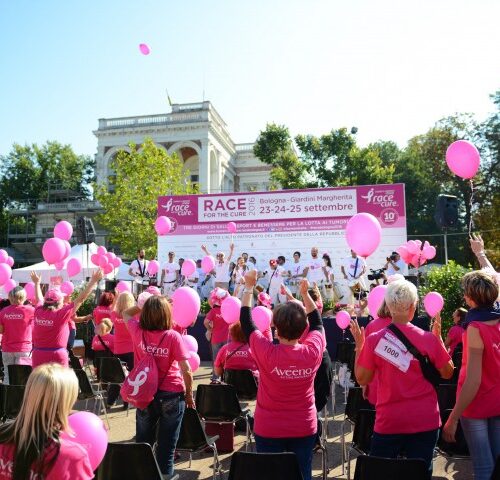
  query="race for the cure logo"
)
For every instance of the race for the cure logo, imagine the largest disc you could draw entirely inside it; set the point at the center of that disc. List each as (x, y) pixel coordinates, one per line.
(139, 380)
(384, 198)
(292, 372)
(180, 208)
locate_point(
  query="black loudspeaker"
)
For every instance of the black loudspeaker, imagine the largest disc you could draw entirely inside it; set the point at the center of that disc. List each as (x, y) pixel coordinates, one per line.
(446, 211)
(85, 231)
(110, 285)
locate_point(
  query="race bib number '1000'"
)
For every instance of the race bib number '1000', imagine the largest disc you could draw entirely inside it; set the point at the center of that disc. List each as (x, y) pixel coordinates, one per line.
(393, 354)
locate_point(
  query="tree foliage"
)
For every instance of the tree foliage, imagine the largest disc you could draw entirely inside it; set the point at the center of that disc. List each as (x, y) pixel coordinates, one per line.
(130, 206)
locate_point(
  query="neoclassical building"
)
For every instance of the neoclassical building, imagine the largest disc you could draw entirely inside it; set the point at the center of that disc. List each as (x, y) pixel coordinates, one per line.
(199, 135)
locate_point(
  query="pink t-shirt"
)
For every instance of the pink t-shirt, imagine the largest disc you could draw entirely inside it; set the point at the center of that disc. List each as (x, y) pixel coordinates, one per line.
(285, 399)
(375, 326)
(179, 329)
(235, 356)
(108, 340)
(455, 335)
(101, 312)
(220, 330)
(167, 352)
(406, 401)
(123, 340)
(486, 403)
(50, 327)
(17, 322)
(72, 463)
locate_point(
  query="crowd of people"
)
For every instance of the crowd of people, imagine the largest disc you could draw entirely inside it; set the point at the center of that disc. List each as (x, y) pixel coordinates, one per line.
(290, 362)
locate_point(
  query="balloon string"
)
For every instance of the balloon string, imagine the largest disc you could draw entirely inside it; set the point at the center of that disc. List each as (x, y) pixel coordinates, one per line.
(471, 204)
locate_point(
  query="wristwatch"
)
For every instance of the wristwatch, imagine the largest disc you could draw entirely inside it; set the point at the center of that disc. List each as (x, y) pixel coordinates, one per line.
(248, 290)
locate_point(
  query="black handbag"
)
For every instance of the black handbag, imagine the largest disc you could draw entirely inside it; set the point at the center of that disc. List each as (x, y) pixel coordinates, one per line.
(429, 371)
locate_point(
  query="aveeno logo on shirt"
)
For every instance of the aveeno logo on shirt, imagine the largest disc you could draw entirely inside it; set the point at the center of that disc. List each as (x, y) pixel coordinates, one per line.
(7, 468)
(159, 352)
(239, 353)
(14, 316)
(292, 372)
(44, 322)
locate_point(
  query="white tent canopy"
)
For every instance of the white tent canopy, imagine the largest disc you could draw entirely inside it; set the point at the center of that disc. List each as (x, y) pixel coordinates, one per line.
(82, 253)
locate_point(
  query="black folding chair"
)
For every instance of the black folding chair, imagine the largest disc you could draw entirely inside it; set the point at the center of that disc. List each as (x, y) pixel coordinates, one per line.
(110, 371)
(129, 460)
(219, 403)
(12, 398)
(362, 436)
(243, 381)
(87, 392)
(375, 468)
(193, 439)
(264, 466)
(18, 374)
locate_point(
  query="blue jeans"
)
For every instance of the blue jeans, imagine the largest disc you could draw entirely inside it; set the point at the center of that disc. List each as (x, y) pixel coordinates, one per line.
(301, 446)
(165, 412)
(71, 339)
(215, 350)
(411, 445)
(483, 438)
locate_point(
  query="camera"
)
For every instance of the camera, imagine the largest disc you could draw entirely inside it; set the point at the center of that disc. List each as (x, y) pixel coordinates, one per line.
(376, 274)
(392, 258)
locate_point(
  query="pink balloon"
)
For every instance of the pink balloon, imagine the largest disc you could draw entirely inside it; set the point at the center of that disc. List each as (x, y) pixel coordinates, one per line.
(67, 288)
(194, 361)
(144, 49)
(463, 159)
(188, 267)
(375, 299)
(108, 268)
(343, 319)
(262, 317)
(162, 225)
(103, 261)
(63, 230)
(94, 258)
(9, 285)
(231, 227)
(5, 273)
(117, 262)
(153, 267)
(3, 256)
(433, 303)
(88, 432)
(101, 250)
(363, 233)
(53, 250)
(190, 343)
(416, 260)
(59, 265)
(10, 262)
(405, 254)
(186, 306)
(122, 286)
(110, 256)
(412, 247)
(67, 249)
(74, 267)
(230, 310)
(429, 252)
(208, 263)
(29, 288)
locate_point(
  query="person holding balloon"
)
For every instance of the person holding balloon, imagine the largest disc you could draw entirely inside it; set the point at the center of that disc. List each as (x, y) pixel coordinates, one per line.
(34, 445)
(478, 392)
(407, 408)
(285, 414)
(51, 322)
(152, 334)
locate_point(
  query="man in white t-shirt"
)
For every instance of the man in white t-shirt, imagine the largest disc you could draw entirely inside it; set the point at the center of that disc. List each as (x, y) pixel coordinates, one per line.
(275, 275)
(353, 270)
(395, 264)
(201, 277)
(192, 280)
(313, 270)
(169, 275)
(139, 270)
(296, 270)
(221, 268)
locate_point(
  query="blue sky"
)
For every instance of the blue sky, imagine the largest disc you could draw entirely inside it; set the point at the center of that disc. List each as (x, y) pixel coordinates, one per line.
(391, 68)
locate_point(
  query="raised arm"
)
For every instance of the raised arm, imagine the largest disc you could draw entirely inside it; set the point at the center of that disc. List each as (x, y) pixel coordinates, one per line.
(231, 251)
(38, 291)
(246, 321)
(131, 313)
(88, 289)
(205, 250)
(477, 246)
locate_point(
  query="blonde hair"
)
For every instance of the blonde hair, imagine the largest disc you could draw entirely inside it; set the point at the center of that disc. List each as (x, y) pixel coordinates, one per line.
(50, 393)
(400, 296)
(124, 302)
(105, 323)
(17, 296)
(480, 287)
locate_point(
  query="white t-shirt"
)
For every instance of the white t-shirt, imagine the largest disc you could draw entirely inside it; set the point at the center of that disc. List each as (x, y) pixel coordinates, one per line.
(251, 266)
(170, 271)
(201, 276)
(275, 277)
(403, 268)
(239, 274)
(350, 267)
(222, 272)
(315, 272)
(296, 269)
(327, 276)
(139, 269)
(192, 281)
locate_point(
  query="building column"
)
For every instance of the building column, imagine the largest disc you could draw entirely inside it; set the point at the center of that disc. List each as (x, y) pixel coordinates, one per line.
(204, 167)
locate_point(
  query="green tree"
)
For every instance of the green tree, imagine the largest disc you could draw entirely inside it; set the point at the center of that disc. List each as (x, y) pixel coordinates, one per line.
(130, 206)
(274, 146)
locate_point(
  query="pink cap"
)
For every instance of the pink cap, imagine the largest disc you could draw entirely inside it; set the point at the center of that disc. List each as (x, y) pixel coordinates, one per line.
(264, 299)
(153, 290)
(53, 296)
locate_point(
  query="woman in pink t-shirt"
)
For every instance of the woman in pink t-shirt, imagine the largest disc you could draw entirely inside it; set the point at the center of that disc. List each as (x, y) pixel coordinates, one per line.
(407, 417)
(104, 308)
(16, 324)
(31, 446)
(285, 414)
(478, 393)
(235, 355)
(455, 333)
(152, 335)
(51, 322)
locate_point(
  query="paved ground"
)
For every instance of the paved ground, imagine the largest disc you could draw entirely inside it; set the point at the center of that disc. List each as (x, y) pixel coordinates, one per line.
(123, 430)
